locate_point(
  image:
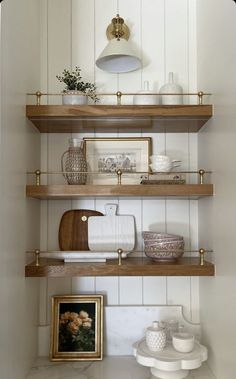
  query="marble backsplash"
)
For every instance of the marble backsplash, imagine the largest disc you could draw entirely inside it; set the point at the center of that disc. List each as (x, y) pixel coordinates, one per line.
(124, 325)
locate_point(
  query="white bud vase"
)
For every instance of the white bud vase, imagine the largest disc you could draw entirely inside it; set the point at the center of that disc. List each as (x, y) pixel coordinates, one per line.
(143, 98)
(171, 87)
(155, 337)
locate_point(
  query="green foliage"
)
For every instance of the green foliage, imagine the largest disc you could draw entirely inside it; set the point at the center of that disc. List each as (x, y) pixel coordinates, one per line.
(73, 81)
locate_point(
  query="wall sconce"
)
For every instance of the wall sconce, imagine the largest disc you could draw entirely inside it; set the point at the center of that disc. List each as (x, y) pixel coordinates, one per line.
(118, 55)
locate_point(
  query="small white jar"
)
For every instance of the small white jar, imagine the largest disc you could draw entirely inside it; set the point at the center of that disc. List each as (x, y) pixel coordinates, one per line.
(155, 337)
(183, 342)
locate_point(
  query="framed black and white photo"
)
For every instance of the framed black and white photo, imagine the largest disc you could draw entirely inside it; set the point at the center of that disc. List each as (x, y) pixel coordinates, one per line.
(105, 156)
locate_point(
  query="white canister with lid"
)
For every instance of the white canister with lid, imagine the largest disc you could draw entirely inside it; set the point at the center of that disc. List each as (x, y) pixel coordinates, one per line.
(145, 97)
(155, 337)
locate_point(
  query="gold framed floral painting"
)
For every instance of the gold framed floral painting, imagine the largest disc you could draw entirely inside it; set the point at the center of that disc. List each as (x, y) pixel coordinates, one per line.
(77, 328)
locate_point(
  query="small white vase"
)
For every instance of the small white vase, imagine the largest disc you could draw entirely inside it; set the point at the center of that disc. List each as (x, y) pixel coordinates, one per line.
(155, 337)
(74, 98)
(143, 98)
(171, 87)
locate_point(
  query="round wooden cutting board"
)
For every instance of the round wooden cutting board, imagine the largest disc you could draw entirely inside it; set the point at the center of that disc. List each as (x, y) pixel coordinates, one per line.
(73, 229)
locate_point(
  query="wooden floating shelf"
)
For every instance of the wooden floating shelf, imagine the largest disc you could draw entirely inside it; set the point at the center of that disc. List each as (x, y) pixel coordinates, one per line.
(193, 191)
(130, 267)
(107, 118)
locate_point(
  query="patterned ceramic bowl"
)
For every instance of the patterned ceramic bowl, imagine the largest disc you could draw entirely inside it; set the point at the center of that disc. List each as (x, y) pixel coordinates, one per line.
(162, 240)
(168, 245)
(147, 235)
(163, 256)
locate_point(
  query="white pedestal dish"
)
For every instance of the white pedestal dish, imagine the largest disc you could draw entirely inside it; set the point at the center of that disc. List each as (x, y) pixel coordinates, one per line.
(168, 363)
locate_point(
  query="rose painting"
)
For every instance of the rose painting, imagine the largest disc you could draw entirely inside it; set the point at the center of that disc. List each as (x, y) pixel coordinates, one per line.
(77, 327)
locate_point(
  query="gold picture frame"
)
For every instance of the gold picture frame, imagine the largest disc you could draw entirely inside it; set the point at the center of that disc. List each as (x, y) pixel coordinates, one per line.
(77, 328)
(105, 156)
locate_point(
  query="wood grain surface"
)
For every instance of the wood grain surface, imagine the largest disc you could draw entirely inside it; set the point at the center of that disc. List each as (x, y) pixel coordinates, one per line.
(130, 267)
(73, 229)
(158, 118)
(76, 191)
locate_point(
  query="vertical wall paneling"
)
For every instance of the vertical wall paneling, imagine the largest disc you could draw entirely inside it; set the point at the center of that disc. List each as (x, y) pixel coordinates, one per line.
(178, 292)
(154, 290)
(131, 290)
(104, 12)
(60, 286)
(164, 31)
(192, 51)
(176, 40)
(152, 43)
(131, 12)
(59, 43)
(194, 299)
(83, 284)
(109, 286)
(83, 37)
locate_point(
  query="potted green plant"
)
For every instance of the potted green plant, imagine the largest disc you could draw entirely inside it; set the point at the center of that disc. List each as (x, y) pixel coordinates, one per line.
(77, 91)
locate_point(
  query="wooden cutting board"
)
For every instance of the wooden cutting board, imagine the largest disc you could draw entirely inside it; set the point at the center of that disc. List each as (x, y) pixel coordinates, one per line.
(111, 232)
(73, 229)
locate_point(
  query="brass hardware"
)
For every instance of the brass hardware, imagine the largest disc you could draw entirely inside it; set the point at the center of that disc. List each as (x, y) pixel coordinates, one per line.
(38, 96)
(117, 29)
(200, 97)
(84, 218)
(98, 172)
(119, 173)
(38, 175)
(119, 252)
(37, 255)
(202, 253)
(201, 173)
(118, 95)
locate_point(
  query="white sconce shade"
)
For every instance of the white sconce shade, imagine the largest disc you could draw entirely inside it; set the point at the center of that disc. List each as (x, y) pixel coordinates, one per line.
(118, 55)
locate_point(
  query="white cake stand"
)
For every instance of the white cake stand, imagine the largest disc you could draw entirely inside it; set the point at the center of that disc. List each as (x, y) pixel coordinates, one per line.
(169, 363)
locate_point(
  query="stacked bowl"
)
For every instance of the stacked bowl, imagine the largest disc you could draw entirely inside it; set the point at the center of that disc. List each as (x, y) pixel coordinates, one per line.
(163, 163)
(163, 246)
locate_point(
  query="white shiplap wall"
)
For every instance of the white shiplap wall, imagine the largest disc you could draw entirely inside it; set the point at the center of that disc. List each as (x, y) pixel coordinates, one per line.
(73, 33)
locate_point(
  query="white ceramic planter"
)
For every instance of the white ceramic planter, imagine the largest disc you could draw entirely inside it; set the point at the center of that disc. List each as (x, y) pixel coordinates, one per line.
(74, 98)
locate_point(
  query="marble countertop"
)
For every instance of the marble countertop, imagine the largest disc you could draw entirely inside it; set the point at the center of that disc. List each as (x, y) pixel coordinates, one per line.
(114, 367)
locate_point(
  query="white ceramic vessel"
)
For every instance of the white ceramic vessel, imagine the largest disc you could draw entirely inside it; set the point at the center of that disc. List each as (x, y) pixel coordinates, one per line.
(145, 97)
(183, 342)
(168, 363)
(163, 163)
(174, 90)
(74, 98)
(155, 337)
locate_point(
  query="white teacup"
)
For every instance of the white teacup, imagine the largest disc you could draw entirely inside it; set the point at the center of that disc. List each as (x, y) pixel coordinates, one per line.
(164, 166)
(159, 158)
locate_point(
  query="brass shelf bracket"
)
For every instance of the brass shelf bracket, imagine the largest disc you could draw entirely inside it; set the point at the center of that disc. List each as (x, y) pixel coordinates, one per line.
(201, 173)
(119, 174)
(119, 252)
(201, 254)
(38, 97)
(200, 97)
(118, 96)
(38, 177)
(37, 257)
